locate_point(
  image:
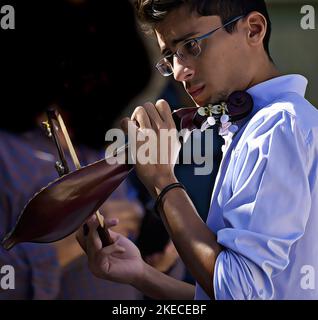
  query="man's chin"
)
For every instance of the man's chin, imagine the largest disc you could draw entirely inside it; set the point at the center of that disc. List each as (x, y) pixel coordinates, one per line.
(198, 101)
(211, 100)
(202, 102)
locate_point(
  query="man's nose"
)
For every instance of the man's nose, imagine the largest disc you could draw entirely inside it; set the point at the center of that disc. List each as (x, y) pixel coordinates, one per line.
(182, 71)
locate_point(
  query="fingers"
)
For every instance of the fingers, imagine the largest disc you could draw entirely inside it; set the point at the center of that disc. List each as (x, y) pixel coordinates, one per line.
(100, 259)
(164, 110)
(152, 116)
(88, 232)
(114, 248)
(93, 242)
(108, 223)
(100, 263)
(141, 116)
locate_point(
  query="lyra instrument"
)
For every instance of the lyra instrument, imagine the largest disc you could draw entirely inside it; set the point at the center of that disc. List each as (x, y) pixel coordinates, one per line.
(62, 207)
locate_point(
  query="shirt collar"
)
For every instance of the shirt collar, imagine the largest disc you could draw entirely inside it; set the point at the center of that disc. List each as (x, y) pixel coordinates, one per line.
(268, 91)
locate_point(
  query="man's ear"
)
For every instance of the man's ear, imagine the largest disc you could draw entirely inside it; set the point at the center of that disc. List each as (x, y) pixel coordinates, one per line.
(257, 27)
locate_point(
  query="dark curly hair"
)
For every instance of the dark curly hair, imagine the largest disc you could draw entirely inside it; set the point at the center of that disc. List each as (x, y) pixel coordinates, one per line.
(151, 12)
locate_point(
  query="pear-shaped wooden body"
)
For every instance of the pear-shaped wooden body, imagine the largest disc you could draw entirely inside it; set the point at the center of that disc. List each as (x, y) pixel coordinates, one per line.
(61, 207)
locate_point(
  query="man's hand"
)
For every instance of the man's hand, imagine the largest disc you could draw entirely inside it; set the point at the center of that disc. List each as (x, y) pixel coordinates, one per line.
(119, 262)
(128, 212)
(122, 262)
(159, 170)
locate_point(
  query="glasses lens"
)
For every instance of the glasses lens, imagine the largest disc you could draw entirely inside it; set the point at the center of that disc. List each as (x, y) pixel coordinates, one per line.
(190, 48)
(164, 67)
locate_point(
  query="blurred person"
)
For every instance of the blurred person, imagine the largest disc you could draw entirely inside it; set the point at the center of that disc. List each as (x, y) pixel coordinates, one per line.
(261, 226)
(63, 54)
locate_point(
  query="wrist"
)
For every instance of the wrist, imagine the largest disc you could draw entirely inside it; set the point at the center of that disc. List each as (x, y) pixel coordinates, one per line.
(163, 181)
(140, 281)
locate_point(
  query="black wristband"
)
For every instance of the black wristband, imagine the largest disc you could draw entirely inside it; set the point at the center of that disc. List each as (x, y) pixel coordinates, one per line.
(164, 191)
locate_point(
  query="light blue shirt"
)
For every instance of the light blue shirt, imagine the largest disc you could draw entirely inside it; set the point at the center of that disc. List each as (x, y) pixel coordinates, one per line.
(264, 207)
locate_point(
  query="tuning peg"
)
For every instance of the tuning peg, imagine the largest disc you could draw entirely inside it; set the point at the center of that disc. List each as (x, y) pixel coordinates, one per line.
(47, 128)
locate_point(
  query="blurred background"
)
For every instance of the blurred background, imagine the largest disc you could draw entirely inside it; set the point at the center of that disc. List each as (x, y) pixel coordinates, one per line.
(295, 50)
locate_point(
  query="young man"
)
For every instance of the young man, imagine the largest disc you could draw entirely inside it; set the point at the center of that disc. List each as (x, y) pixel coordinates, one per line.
(260, 234)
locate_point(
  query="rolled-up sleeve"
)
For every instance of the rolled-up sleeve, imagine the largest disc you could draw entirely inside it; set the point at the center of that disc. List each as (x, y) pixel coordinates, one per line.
(267, 211)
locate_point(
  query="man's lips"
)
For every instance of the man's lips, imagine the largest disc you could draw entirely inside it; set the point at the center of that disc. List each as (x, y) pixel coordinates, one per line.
(196, 91)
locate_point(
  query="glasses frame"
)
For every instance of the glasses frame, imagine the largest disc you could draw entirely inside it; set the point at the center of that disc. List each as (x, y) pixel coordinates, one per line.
(196, 39)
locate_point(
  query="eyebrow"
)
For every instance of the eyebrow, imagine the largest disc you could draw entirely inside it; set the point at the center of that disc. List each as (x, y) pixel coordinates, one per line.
(178, 40)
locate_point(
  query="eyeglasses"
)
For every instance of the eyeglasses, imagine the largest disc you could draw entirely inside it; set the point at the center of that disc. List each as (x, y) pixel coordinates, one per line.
(189, 49)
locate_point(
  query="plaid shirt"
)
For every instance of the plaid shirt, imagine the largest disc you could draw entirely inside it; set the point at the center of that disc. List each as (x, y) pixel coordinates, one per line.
(27, 165)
